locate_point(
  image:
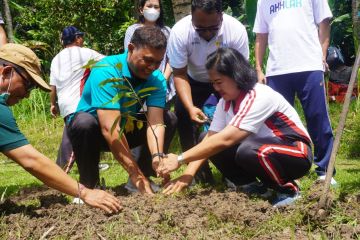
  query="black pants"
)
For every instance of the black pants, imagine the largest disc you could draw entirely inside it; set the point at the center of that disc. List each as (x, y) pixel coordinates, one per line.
(88, 141)
(274, 161)
(65, 150)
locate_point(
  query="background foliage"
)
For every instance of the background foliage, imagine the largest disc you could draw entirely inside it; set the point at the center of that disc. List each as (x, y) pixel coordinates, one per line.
(39, 23)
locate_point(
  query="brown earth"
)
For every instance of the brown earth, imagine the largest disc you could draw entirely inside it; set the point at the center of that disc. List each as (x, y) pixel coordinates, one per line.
(199, 214)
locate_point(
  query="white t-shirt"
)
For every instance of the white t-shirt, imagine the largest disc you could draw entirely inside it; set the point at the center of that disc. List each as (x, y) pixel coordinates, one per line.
(263, 112)
(293, 38)
(68, 76)
(187, 48)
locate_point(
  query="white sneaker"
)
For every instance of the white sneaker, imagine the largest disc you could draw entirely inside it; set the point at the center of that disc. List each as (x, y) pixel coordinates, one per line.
(103, 166)
(132, 189)
(332, 182)
(77, 201)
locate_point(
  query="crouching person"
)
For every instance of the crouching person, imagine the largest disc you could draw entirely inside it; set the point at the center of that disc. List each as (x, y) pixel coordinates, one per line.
(19, 73)
(90, 127)
(255, 133)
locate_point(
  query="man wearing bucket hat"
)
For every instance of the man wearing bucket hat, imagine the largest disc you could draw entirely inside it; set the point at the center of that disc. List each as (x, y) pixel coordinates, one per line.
(19, 74)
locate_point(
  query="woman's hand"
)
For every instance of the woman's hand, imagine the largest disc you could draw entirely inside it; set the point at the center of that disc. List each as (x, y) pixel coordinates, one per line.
(177, 185)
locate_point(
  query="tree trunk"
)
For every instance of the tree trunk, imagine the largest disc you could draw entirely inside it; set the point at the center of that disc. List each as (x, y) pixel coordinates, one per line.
(181, 8)
(356, 21)
(8, 21)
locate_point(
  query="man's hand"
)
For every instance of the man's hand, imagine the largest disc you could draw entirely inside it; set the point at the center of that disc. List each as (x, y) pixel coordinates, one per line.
(141, 183)
(54, 111)
(169, 165)
(261, 77)
(326, 66)
(155, 165)
(101, 199)
(197, 115)
(177, 185)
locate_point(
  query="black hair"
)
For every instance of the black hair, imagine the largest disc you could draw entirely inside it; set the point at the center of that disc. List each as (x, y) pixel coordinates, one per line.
(208, 6)
(231, 63)
(160, 22)
(149, 36)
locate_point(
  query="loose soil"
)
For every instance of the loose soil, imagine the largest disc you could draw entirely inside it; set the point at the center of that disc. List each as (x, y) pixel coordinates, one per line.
(36, 213)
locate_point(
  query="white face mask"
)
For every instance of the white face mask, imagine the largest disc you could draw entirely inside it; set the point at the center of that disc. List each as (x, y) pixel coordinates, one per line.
(151, 14)
(5, 95)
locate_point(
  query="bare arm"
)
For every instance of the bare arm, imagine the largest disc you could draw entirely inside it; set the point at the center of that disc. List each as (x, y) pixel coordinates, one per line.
(167, 72)
(260, 49)
(53, 105)
(120, 149)
(183, 90)
(324, 38)
(3, 38)
(53, 176)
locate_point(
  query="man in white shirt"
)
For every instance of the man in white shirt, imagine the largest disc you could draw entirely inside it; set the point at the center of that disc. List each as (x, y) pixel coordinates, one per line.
(297, 33)
(3, 38)
(67, 80)
(191, 40)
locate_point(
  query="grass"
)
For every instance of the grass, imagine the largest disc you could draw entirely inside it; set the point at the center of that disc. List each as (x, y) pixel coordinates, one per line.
(44, 133)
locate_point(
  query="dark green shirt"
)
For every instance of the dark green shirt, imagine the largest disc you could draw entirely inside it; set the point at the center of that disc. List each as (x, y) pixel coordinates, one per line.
(10, 135)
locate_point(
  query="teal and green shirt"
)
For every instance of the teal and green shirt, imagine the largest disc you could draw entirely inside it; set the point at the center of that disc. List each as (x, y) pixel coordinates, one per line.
(10, 135)
(95, 96)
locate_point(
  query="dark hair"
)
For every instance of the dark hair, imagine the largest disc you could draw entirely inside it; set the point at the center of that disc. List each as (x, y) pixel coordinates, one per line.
(231, 63)
(159, 22)
(208, 6)
(149, 36)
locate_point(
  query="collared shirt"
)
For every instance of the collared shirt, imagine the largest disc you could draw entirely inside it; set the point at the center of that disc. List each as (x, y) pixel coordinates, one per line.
(263, 112)
(187, 48)
(10, 135)
(102, 97)
(293, 38)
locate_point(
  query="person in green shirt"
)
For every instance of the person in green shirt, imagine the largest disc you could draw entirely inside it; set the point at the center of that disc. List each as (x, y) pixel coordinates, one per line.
(20, 72)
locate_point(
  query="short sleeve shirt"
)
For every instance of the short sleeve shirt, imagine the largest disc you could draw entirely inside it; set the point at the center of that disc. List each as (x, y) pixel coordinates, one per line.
(293, 40)
(68, 76)
(187, 48)
(96, 96)
(263, 112)
(10, 135)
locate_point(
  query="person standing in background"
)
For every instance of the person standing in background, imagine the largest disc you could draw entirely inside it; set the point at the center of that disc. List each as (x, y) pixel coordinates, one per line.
(67, 80)
(298, 34)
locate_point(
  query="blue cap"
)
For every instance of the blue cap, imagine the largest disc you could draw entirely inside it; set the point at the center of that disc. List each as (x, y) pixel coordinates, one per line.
(69, 34)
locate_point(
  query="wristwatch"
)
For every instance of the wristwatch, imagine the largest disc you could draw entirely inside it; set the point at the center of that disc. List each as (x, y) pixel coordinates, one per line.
(181, 159)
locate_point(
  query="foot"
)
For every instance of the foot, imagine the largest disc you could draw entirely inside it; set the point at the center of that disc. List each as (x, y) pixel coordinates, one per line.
(254, 188)
(77, 201)
(129, 186)
(332, 182)
(285, 199)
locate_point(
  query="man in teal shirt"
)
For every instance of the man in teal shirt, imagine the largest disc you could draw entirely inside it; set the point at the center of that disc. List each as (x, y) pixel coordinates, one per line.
(90, 127)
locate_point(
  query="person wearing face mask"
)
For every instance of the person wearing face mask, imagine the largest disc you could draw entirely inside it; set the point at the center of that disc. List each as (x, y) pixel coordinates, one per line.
(191, 40)
(20, 72)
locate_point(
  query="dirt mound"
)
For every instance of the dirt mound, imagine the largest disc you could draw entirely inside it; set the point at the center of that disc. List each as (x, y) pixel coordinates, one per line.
(198, 214)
